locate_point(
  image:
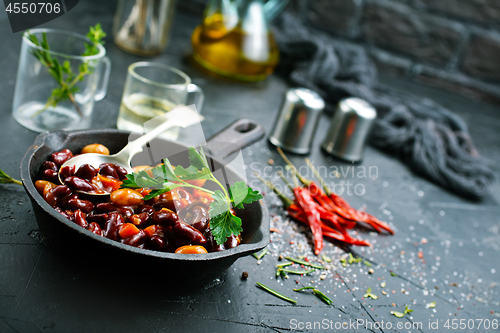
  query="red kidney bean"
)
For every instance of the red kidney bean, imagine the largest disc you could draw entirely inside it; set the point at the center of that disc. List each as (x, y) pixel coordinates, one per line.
(136, 240)
(232, 241)
(157, 243)
(63, 213)
(120, 171)
(105, 207)
(85, 206)
(203, 202)
(183, 194)
(174, 200)
(173, 238)
(62, 203)
(95, 228)
(212, 245)
(125, 211)
(97, 218)
(79, 184)
(146, 209)
(71, 214)
(56, 194)
(49, 165)
(112, 225)
(67, 171)
(141, 220)
(106, 169)
(61, 157)
(86, 171)
(80, 219)
(198, 217)
(189, 233)
(170, 205)
(165, 217)
(51, 176)
(72, 196)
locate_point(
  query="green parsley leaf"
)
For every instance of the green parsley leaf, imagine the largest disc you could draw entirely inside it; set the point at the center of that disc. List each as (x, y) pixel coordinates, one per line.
(180, 171)
(238, 192)
(219, 206)
(155, 193)
(431, 305)
(144, 180)
(167, 171)
(225, 225)
(197, 159)
(252, 196)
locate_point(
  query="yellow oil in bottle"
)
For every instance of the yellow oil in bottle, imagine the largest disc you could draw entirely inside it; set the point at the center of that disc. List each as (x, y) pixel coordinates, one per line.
(248, 55)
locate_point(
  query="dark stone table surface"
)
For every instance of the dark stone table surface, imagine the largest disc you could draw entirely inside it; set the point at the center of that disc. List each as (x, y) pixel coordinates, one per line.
(446, 249)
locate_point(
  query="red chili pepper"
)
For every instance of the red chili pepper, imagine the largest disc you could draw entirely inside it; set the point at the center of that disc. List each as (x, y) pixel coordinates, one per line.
(339, 206)
(360, 216)
(308, 205)
(326, 202)
(298, 214)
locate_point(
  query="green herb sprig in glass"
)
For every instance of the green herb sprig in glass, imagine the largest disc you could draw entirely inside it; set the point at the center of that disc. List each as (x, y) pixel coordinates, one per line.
(62, 73)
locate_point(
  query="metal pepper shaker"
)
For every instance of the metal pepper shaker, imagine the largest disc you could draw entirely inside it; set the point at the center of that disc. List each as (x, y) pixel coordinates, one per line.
(349, 129)
(297, 120)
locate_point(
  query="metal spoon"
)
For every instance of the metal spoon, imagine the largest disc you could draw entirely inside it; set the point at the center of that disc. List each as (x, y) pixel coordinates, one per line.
(181, 117)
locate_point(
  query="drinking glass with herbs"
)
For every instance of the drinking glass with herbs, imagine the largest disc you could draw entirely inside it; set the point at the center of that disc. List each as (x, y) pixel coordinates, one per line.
(60, 76)
(150, 91)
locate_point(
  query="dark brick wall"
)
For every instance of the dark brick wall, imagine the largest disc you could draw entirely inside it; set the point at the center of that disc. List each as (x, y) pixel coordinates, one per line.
(453, 44)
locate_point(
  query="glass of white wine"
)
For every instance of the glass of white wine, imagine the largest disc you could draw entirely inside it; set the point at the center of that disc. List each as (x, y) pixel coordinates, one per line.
(151, 90)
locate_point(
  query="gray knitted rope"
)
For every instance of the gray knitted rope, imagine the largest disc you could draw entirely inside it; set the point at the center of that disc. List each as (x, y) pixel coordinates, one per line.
(431, 140)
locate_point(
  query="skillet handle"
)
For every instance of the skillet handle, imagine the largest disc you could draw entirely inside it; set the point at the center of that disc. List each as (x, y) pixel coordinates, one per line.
(237, 135)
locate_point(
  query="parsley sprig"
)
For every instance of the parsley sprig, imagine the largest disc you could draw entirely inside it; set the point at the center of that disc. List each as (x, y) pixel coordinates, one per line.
(165, 178)
(62, 73)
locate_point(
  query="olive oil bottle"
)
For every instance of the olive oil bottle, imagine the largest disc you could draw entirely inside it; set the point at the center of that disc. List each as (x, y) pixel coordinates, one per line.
(234, 39)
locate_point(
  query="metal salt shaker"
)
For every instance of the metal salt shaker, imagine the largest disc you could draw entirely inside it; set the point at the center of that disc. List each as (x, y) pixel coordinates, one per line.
(349, 129)
(297, 120)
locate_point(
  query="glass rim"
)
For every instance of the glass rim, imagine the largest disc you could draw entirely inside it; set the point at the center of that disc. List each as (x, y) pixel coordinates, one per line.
(101, 54)
(133, 73)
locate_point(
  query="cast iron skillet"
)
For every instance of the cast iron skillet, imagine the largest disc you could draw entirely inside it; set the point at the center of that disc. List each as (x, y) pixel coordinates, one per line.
(63, 235)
